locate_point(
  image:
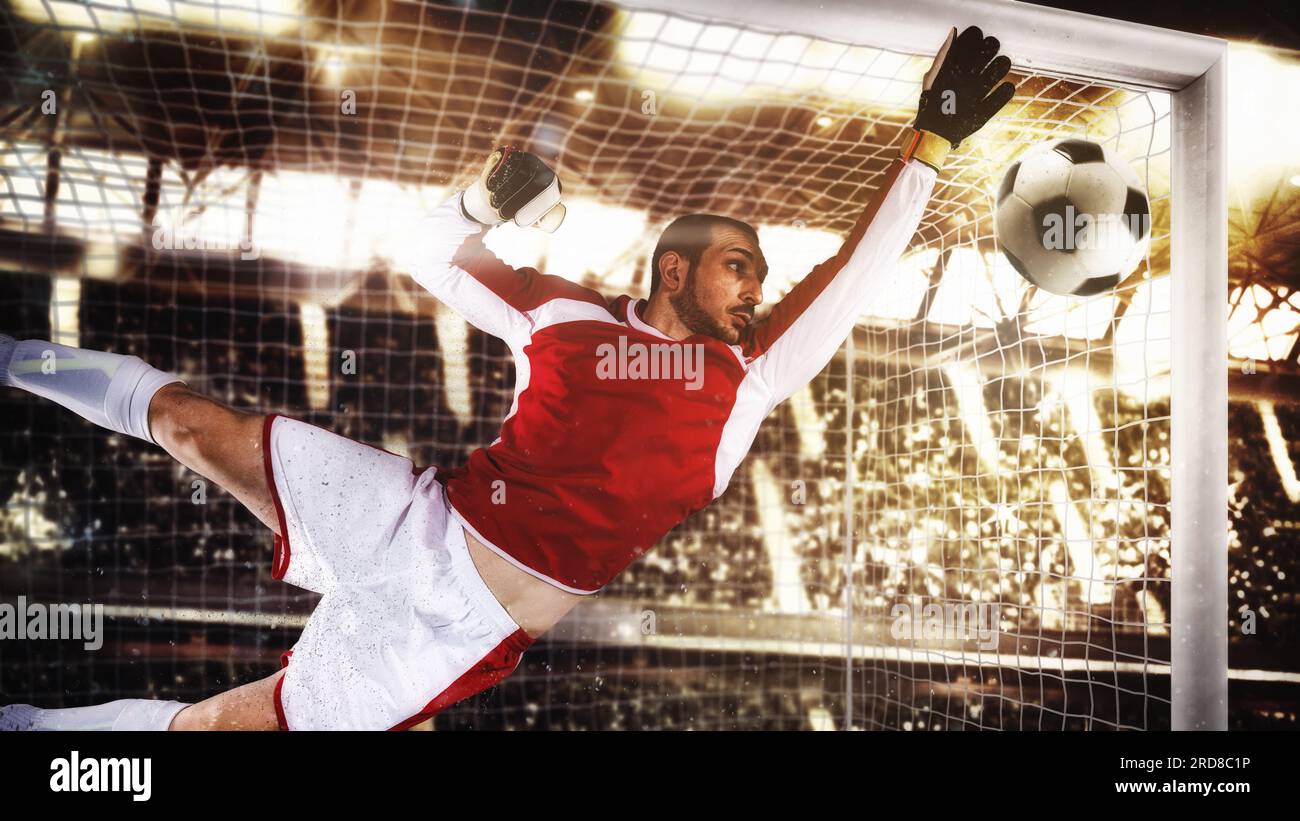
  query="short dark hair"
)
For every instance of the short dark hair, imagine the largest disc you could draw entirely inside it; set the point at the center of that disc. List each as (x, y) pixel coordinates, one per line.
(690, 236)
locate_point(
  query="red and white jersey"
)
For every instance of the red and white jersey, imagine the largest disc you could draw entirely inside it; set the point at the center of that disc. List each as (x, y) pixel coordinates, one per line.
(618, 432)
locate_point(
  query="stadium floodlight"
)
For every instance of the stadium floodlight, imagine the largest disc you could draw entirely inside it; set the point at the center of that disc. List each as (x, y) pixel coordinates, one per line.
(332, 66)
(1259, 130)
(335, 60)
(246, 16)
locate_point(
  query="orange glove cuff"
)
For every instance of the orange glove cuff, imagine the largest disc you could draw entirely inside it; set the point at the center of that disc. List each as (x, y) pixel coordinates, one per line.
(925, 146)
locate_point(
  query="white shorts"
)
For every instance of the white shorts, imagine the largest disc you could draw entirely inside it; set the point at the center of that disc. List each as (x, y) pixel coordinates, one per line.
(406, 626)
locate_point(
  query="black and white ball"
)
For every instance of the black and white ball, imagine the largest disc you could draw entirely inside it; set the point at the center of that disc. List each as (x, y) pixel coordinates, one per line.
(1072, 217)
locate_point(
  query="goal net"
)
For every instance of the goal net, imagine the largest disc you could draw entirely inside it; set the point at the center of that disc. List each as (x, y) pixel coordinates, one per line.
(962, 522)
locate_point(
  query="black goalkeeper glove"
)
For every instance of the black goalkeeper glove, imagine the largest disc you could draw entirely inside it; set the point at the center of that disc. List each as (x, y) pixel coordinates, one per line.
(515, 185)
(958, 94)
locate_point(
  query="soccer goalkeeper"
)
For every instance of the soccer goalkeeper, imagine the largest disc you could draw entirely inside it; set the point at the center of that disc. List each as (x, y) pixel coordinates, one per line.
(434, 582)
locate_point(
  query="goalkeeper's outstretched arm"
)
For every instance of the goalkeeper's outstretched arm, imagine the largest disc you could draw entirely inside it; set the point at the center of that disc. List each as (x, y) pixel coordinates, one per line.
(797, 339)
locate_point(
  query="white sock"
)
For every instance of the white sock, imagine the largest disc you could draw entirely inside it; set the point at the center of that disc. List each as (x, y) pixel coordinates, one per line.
(125, 714)
(109, 389)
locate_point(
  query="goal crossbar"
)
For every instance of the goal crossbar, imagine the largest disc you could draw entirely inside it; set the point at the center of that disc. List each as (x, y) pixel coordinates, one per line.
(1036, 38)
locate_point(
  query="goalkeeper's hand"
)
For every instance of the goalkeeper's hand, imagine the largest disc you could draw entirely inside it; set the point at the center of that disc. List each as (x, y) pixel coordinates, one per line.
(961, 91)
(515, 185)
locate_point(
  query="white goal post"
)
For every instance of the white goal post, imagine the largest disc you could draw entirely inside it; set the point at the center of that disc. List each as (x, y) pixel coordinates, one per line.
(1192, 70)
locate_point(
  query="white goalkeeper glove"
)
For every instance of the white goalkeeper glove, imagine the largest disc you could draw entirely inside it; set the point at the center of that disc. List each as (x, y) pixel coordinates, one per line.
(515, 185)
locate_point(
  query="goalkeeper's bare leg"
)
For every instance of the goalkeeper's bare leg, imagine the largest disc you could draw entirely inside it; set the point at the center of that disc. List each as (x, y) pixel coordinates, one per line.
(219, 443)
(224, 445)
(126, 395)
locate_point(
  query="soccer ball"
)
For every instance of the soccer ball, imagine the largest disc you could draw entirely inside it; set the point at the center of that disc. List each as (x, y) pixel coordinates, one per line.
(1072, 217)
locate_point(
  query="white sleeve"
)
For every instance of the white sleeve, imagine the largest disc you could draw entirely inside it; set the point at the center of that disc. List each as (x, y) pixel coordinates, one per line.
(798, 338)
(448, 258)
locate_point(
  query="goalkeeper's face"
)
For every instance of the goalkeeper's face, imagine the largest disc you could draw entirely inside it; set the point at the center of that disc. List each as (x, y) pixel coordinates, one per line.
(720, 292)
